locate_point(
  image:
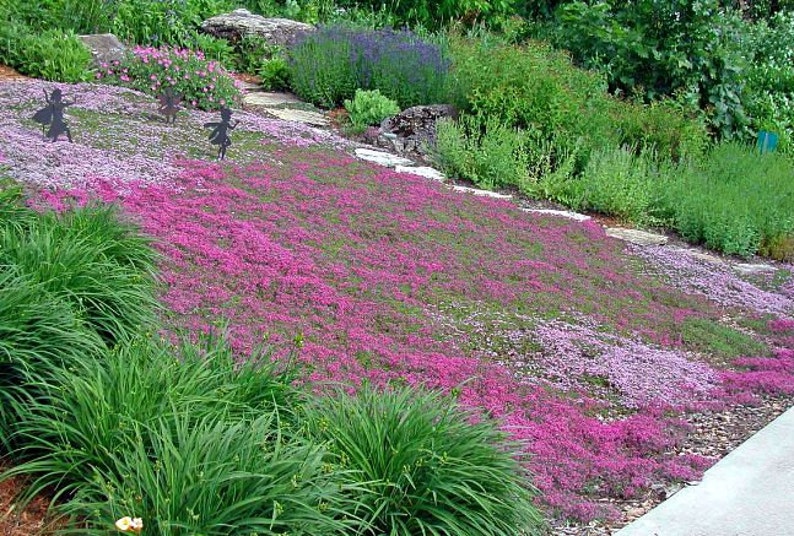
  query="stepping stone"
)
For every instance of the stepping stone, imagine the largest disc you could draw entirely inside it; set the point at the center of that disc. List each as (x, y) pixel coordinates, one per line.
(641, 238)
(561, 213)
(384, 159)
(484, 193)
(268, 99)
(301, 116)
(754, 269)
(422, 171)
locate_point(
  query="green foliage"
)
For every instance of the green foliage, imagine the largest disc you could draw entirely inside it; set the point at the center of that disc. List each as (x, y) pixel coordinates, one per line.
(51, 55)
(163, 22)
(215, 49)
(90, 261)
(71, 284)
(618, 182)
(181, 437)
(663, 47)
(552, 114)
(321, 71)
(203, 84)
(769, 98)
(369, 108)
(483, 151)
(275, 74)
(533, 88)
(734, 200)
(708, 336)
(421, 465)
(436, 14)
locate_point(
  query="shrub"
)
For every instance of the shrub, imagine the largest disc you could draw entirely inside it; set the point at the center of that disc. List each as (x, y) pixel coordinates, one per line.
(163, 22)
(203, 84)
(436, 14)
(663, 47)
(369, 108)
(328, 65)
(483, 151)
(51, 55)
(769, 97)
(421, 465)
(615, 181)
(532, 88)
(735, 200)
(275, 74)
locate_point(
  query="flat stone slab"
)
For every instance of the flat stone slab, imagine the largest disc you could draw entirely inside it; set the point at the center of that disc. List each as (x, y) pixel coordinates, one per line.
(641, 238)
(747, 493)
(484, 193)
(753, 269)
(560, 213)
(422, 171)
(254, 97)
(301, 116)
(382, 158)
(104, 48)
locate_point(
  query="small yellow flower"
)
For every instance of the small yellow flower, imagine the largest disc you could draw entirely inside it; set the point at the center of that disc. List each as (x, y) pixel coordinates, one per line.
(128, 524)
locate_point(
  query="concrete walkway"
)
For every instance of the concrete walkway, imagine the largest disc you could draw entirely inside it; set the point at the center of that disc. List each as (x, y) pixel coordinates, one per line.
(750, 492)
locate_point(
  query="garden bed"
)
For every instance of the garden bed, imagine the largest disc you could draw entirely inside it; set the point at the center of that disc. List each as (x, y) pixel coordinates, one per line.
(597, 357)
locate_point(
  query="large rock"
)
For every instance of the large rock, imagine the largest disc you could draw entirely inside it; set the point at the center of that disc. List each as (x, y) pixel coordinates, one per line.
(241, 22)
(413, 130)
(105, 48)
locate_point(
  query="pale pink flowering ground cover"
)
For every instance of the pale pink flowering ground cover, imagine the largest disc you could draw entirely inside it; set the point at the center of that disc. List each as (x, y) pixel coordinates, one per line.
(394, 279)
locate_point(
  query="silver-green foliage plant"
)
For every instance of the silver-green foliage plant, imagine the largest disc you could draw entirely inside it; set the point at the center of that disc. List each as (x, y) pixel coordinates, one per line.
(419, 464)
(369, 108)
(484, 151)
(735, 200)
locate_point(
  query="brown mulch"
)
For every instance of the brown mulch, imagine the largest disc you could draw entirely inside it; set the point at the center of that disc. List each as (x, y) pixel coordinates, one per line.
(7, 73)
(714, 434)
(33, 520)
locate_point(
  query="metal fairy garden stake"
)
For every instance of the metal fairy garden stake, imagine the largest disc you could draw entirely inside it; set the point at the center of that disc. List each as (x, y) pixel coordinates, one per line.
(169, 105)
(220, 133)
(52, 116)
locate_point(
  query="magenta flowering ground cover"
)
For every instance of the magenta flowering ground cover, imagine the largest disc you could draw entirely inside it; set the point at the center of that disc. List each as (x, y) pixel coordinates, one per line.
(582, 348)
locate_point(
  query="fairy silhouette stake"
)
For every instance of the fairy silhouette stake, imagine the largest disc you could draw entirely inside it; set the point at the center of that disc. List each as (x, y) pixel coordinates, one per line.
(169, 105)
(52, 116)
(220, 134)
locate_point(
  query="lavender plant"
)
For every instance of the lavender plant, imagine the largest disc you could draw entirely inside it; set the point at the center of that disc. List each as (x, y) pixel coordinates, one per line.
(330, 64)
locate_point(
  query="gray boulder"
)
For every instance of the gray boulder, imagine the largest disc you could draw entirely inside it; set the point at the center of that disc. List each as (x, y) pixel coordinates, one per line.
(241, 22)
(105, 48)
(413, 130)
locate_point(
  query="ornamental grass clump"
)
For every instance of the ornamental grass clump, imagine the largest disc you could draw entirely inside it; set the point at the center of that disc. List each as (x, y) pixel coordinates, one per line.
(179, 435)
(419, 464)
(72, 284)
(201, 83)
(327, 66)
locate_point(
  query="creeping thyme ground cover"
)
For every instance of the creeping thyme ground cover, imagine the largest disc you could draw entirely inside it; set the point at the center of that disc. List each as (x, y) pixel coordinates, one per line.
(583, 348)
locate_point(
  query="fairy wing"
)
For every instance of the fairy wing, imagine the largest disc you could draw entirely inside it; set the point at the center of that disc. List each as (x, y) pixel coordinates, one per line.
(216, 132)
(43, 116)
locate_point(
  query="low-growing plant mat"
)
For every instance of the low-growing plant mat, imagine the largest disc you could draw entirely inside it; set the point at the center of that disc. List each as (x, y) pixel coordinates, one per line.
(583, 348)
